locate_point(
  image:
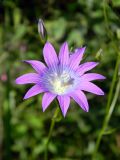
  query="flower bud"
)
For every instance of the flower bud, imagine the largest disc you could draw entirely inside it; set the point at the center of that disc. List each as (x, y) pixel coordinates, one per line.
(42, 31)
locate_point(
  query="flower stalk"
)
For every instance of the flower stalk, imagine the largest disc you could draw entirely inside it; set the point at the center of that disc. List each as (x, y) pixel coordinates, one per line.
(109, 108)
(111, 100)
(52, 125)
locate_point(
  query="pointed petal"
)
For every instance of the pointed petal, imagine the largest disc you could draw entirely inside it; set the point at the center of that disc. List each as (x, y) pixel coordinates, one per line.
(90, 87)
(28, 78)
(37, 65)
(86, 67)
(50, 55)
(91, 77)
(64, 102)
(64, 54)
(76, 58)
(36, 89)
(47, 99)
(81, 99)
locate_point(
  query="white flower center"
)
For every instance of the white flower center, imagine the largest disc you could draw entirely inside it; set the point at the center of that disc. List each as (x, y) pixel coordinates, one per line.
(61, 83)
(58, 83)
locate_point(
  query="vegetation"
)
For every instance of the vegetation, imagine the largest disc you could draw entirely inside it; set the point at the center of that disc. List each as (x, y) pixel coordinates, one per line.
(23, 126)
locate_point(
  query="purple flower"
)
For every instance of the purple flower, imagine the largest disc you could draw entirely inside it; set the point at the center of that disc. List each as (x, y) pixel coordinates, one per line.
(63, 78)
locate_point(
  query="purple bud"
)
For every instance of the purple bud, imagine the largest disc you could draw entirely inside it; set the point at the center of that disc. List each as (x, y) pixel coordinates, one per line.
(42, 31)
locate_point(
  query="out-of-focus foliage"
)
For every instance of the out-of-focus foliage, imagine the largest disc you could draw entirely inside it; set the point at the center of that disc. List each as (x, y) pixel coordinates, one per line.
(23, 125)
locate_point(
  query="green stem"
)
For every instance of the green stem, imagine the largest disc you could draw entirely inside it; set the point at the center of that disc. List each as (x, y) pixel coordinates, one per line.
(110, 35)
(113, 84)
(50, 132)
(109, 107)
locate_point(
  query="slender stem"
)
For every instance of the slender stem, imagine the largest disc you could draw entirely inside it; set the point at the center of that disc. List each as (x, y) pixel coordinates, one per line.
(110, 35)
(113, 84)
(110, 108)
(114, 101)
(50, 132)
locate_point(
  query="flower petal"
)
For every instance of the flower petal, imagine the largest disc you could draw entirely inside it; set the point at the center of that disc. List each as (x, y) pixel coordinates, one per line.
(90, 87)
(36, 89)
(50, 55)
(47, 99)
(76, 58)
(64, 102)
(81, 99)
(28, 78)
(91, 77)
(37, 65)
(86, 67)
(64, 54)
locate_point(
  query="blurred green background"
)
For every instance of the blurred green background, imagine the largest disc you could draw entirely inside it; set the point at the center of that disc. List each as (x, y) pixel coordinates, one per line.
(23, 126)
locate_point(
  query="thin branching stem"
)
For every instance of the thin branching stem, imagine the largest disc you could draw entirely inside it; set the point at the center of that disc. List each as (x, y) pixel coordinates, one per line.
(110, 103)
(50, 132)
(110, 107)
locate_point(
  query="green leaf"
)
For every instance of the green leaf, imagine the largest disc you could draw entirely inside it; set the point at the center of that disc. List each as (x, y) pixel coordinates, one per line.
(116, 3)
(110, 131)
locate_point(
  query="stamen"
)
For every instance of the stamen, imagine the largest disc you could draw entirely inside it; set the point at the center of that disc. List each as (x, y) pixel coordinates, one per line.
(60, 82)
